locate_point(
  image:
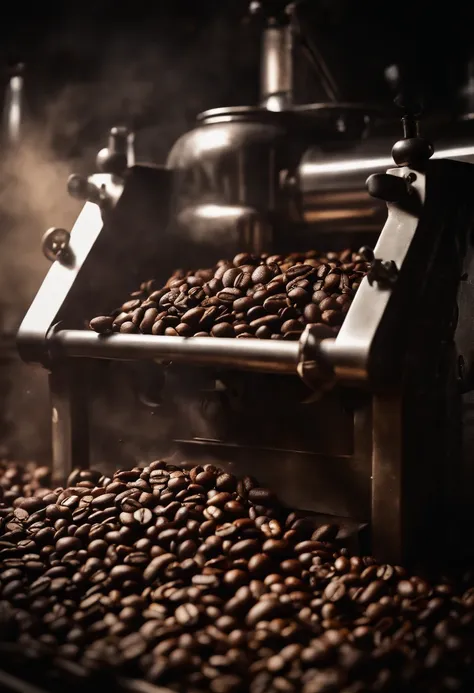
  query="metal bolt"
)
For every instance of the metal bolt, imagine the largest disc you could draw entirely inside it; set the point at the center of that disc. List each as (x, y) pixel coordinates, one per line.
(366, 253)
(55, 243)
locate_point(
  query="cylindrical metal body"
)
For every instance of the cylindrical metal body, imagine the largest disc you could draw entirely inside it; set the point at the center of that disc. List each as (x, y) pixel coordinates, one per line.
(333, 190)
(246, 354)
(244, 163)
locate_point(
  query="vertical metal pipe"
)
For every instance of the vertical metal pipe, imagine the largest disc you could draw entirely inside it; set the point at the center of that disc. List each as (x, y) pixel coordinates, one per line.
(12, 114)
(69, 419)
(277, 67)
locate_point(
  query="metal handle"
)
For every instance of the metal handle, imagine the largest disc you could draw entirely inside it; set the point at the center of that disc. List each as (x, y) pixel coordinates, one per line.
(311, 357)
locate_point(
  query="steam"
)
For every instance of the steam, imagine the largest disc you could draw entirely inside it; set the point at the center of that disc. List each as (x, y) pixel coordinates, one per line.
(31, 199)
(153, 84)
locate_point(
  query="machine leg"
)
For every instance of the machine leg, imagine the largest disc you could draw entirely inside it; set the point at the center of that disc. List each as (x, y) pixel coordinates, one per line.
(387, 449)
(70, 425)
(363, 460)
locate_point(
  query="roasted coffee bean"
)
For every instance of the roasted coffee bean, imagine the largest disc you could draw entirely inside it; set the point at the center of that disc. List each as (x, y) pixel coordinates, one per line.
(187, 614)
(335, 591)
(230, 276)
(223, 329)
(325, 533)
(244, 549)
(259, 564)
(292, 326)
(275, 547)
(312, 313)
(68, 544)
(332, 317)
(275, 303)
(253, 290)
(262, 496)
(159, 327)
(262, 274)
(102, 324)
(143, 516)
(228, 296)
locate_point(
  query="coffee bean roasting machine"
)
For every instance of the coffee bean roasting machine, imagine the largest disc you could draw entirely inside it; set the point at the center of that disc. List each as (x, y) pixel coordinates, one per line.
(365, 426)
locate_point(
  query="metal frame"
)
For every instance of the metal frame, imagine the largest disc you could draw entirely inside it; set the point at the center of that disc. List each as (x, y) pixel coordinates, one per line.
(374, 351)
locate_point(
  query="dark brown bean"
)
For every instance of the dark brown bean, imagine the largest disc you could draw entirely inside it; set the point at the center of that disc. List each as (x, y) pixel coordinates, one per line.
(102, 324)
(187, 614)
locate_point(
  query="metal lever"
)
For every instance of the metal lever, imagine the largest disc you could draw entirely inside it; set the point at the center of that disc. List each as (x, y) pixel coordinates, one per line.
(395, 189)
(389, 188)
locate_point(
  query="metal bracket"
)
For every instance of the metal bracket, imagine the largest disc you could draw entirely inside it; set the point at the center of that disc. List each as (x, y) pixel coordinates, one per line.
(384, 272)
(314, 369)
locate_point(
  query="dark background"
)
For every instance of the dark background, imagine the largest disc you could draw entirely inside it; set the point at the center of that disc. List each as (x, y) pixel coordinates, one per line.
(157, 64)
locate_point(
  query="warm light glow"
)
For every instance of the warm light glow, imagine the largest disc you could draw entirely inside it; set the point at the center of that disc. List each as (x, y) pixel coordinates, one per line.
(336, 198)
(213, 138)
(218, 212)
(458, 152)
(13, 109)
(16, 83)
(335, 214)
(354, 165)
(274, 104)
(345, 166)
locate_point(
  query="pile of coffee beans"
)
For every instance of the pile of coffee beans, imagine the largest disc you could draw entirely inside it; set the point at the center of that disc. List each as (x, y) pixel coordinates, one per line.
(21, 481)
(197, 580)
(266, 296)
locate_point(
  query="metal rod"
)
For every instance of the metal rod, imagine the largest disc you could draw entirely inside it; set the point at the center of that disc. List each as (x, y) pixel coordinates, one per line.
(243, 354)
(322, 174)
(277, 67)
(69, 419)
(12, 115)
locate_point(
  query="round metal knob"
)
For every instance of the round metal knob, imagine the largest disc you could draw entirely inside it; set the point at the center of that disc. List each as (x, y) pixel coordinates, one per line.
(414, 152)
(366, 253)
(116, 157)
(54, 242)
(78, 187)
(111, 162)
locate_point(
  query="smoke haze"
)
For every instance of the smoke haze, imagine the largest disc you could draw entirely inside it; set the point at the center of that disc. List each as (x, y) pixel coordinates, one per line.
(155, 84)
